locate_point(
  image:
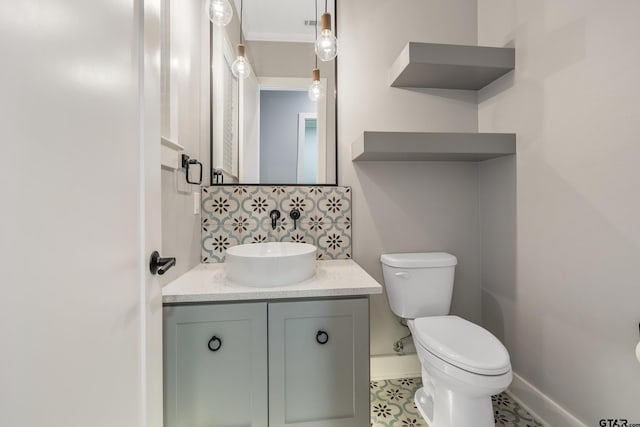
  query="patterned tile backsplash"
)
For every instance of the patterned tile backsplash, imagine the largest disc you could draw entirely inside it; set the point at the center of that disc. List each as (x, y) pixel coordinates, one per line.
(235, 215)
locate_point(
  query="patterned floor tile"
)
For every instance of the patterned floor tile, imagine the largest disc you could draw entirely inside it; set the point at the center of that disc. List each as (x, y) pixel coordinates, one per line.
(392, 406)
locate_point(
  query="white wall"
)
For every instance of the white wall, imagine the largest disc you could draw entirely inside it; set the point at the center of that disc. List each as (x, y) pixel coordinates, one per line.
(189, 126)
(568, 301)
(418, 206)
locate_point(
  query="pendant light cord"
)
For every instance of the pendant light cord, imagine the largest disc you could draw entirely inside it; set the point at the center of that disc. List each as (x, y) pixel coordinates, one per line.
(316, 28)
(325, 6)
(241, 14)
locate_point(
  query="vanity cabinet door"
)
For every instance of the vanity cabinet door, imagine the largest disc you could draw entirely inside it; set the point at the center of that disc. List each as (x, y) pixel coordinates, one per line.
(319, 363)
(215, 365)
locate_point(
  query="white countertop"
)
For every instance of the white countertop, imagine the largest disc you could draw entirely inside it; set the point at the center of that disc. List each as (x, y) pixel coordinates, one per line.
(208, 283)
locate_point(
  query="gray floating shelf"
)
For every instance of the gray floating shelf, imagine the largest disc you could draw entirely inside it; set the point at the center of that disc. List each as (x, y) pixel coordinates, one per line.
(432, 146)
(447, 66)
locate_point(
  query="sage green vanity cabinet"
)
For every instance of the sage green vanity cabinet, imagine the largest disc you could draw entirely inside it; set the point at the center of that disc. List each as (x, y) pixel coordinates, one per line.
(319, 363)
(215, 365)
(291, 363)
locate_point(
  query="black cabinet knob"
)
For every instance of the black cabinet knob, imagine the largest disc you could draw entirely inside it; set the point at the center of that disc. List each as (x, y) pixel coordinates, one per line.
(322, 337)
(215, 343)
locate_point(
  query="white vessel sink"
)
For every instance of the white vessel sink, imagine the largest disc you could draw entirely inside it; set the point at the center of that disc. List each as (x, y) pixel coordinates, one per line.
(270, 264)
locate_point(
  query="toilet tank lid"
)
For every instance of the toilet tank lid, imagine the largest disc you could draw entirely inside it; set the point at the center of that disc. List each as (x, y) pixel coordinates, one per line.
(419, 259)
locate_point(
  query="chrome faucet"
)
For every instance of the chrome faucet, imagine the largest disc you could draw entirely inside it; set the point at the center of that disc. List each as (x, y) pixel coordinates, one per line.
(274, 215)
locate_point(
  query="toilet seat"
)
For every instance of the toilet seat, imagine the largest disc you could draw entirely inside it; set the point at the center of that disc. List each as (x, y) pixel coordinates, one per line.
(462, 344)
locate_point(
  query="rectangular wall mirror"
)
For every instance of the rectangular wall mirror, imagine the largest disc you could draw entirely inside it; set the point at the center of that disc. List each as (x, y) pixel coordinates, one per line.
(265, 129)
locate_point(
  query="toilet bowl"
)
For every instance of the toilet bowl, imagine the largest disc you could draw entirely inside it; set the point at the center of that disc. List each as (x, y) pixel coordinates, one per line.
(463, 364)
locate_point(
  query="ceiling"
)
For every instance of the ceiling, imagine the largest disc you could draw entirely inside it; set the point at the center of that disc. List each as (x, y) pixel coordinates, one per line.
(281, 20)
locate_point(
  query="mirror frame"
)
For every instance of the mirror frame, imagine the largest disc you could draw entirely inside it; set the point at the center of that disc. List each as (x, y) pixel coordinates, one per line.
(211, 112)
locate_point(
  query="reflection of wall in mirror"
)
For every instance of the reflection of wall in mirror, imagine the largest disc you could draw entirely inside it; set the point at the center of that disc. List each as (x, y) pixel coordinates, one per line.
(225, 109)
(227, 158)
(249, 131)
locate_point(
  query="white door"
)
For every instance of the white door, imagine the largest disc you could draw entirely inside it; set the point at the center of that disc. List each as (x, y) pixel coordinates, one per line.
(80, 317)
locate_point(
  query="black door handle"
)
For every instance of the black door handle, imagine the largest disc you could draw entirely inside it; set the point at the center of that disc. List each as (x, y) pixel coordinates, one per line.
(159, 265)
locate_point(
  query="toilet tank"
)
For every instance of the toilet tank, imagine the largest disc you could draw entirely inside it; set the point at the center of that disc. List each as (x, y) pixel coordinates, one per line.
(419, 284)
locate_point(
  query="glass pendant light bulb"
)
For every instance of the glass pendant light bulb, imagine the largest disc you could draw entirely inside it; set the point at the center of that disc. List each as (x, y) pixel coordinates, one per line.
(326, 44)
(240, 67)
(220, 12)
(315, 90)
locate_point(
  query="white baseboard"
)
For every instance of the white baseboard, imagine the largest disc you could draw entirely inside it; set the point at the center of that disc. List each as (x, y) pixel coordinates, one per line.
(394, 367)
(540, 405)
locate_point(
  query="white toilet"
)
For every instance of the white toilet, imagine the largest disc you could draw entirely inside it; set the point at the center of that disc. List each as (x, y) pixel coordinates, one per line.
(463, 364)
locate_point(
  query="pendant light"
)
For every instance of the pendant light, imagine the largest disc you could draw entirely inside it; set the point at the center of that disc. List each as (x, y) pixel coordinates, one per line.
(326, 44)
(240, 67)
(220, 12)
(315, 90)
